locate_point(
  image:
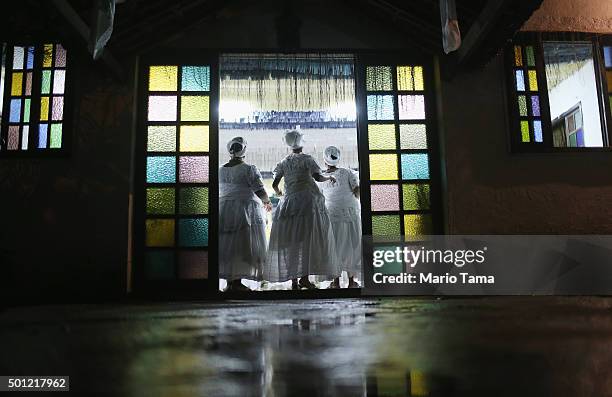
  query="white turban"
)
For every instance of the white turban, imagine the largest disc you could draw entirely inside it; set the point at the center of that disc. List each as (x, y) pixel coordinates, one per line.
(293, 139)
(241, 143)
(332, 155)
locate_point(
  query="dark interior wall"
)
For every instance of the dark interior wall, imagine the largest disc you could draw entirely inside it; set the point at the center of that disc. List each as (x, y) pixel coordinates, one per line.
(493, 191)
(64, 220)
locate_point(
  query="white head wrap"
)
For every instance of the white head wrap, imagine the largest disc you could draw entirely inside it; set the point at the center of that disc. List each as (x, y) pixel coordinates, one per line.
(294, 138)
(332, 155)
(241, 142)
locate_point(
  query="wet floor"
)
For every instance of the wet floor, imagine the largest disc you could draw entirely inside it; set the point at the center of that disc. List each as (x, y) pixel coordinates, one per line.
(531, 346)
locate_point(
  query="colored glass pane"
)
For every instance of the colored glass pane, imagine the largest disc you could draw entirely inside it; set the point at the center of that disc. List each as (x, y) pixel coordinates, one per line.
(535, 106)
(25, 132)
(518, 56)
(18, 58)
(26, 110)
(609, 79)
(13, 137)
(386, 225)
(537, 131)
(410, 78)
(45, 86)
(55, 137)
(60, 56)
(194, 138)
(193, 232)
(525, 131)
(159, 265)
(608, 56)
(378, 78)
(416, 196)
(385, 197)
(381, 136)
(520, 80)
(160, 201)
(533, 80)
(417, 225)
(57, 108)
(28, 89)
(415, 166)
(193, 169)
(163, 78)
(195, 78)
(193, 265)
(383, 167)
(161, 138)
(530, 56)
(59, 81)
(42, 136)
(15, 111)
(162, 108)
(161, 169)
(413, 136)
(44, 108)
(47, 55)
(30, 58)
(159, 232)
(194, 108)
(380, 107)
(411, 107)
(17, 84)
(193, 200)
(522, 103)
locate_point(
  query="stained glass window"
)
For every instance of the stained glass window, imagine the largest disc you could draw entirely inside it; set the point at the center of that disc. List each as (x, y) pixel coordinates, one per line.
(177, 172)
(527, 102)
(398, 151)
(607, 51)
(35, 118)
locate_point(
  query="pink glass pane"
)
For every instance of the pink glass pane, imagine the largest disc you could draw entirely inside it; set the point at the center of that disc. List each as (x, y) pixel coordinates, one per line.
(385, 198)
(60, 56)
(193, 169)
(162, 108)
(29, 84)
(193, 265)
(13, 137)
(57, 112)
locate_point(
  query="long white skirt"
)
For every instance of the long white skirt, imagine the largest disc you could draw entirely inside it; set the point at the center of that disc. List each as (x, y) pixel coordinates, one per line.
(346, 224)
(242, 239)
(301, 240)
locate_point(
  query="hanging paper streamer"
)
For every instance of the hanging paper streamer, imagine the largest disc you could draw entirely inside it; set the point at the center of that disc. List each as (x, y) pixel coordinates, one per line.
(451, 36)
(102, 28)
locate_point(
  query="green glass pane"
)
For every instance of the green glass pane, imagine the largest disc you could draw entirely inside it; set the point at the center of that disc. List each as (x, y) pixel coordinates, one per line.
(55, 140)
(390, 267)
(195, 78)
(46, 82)
(159, 265)
(26, 110)
(413, 136)
(378, 78)
(386, 225)
(193, 200)
(161, 138)
(530, 56)
(160, 232)
(193, 232)
(160, 201)
(381, 136)
(522, 103)
(194, 108)
(416, 196)
(525, 131)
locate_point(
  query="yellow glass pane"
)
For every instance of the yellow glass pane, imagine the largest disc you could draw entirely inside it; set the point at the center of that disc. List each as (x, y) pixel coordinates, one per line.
(47, 55)
(518, 56)
(44, 108)
(533, 80)
(194, 138)
(410, 78)
(383, 167)
(418, 384)
(194, 108)
(17, 84)
(525, 131)
(160, 232)
(417, 225)
(163, 78)
(381, 136)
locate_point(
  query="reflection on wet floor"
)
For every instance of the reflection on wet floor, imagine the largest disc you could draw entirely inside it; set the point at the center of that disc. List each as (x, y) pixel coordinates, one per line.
(389, 347)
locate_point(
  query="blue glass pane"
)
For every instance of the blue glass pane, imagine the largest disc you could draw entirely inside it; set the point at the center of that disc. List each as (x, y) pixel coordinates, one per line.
(161, 169)
(42, 136)
(535, 105)
(159, 265)
(537, 130)
(193, 232)
(30, 62)
(520, 80)
(15, 113)
(195, 78)
(380, 107)
(608, 56)
(415, 166)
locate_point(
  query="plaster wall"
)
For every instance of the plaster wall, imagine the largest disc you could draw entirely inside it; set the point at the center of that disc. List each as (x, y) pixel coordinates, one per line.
(572, 16)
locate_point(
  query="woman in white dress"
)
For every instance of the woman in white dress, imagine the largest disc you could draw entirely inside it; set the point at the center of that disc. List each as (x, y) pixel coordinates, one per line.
(301, 240)
(342, 201)
(242, 225)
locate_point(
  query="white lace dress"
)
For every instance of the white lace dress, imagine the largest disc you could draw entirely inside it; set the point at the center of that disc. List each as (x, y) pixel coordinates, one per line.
(345, 215)
(242, 225)
(301, 240)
